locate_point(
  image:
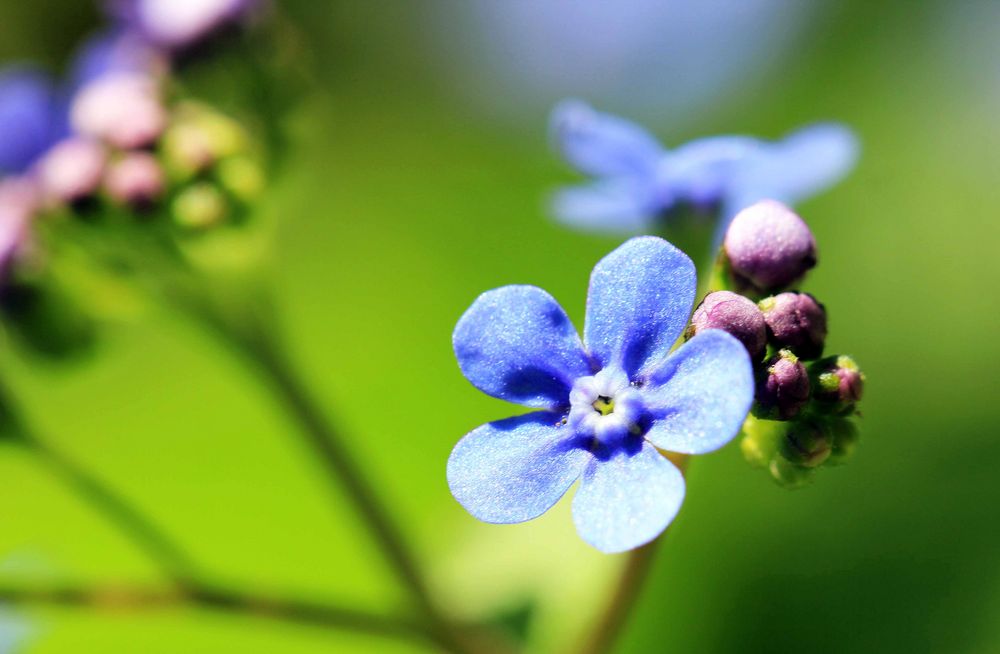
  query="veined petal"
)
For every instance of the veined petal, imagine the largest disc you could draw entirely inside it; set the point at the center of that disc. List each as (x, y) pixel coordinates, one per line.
(639, 302)
(701, 395)
(601, 144)
(516, 343)
(618, 205)
(627, 499)
(515, 469)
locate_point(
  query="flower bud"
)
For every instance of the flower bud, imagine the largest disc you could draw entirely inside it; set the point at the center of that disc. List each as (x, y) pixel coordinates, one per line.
(135, 180)
(123, 109)
(808, 443)
(838, 384)
(241, 176)
(200, 206)
(789, 474)
(18, 203)
(783, 389)
(845, 441)
(71, 171)
(795, 321)
(768, 247)
(734, 314)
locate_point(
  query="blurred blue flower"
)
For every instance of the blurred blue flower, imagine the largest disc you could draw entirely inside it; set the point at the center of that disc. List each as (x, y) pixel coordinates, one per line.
(32, 117)
(607, 403)
(639, 182)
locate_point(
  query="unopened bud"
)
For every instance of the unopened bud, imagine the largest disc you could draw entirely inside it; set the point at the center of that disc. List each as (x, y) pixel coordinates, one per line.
(789, 474)
(123, 109)
(783, 388)
(200, 206)
(242, 176)
(807, 443)
(18, 203)
(845, 441)
(838, 384)
(135, 180)
(768, 247)
(734, 314)
(795, 321)
(72, 170)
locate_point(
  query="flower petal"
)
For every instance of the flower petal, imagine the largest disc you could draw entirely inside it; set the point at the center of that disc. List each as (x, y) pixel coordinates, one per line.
(620, 205)
(601, 144)
(700, 397)
(515, 469)
(628, 499)
(804, 163)
(639, 302)
(516, 343)
(29, 117)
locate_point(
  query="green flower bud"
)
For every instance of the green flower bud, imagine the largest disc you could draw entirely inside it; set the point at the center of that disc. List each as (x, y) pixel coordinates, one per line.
(838, 384)
(241, 176)
(808, 443)
(790, 475)
(845, 441)
(200, 206)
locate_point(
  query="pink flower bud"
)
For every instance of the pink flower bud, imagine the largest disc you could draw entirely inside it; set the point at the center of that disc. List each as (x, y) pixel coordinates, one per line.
(783, 389)
(769, 247)
(795, 321)
(71, 171)
(734, 314)
(123, 109)
(19, 200)
(136, 180)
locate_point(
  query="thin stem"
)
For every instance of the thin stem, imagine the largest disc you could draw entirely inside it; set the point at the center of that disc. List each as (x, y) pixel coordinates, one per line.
(256, 343)
(178, 566)
(605, 632)
(133, 598)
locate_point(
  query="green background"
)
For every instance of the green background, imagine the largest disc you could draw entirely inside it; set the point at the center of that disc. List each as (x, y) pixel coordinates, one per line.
(398, 203)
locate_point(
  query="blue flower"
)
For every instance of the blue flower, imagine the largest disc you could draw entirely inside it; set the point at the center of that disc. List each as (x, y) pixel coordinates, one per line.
(605, 403)
(32, 117)
(638, 181)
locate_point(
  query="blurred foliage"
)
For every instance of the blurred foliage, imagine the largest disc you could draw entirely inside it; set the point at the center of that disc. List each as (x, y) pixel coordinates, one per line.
(397, 204)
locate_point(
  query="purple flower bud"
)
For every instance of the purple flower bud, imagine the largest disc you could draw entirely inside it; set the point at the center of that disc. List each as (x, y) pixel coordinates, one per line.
(838, 384)
(72, 170)
(136, 180)
(735, 314)
(783, 388)
(123, 109)
(795, 321)
(769, 247)
(808, 443)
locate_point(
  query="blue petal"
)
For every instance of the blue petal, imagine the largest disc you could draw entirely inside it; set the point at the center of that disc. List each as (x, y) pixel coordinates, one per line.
(628, 499)
(516, 343)
(803, 164)
(639, 301)
(699, 171)
(112, 51)
(28, 117)
(701, 396)
(620, 205)
(515, 469)
(601, 144)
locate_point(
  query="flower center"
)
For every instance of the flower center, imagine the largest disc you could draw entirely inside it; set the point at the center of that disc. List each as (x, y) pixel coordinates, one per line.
(604, 405)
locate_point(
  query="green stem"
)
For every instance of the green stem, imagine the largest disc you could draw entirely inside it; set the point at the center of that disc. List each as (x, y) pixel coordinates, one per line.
(255, 342)
(605, 632)
(132, 598)
(130, 520)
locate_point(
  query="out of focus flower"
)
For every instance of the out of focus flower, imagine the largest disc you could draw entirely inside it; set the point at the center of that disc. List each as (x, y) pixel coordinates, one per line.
(177, 24)
(71, 170)
(607, 403)
(638, 182)
(121, 109)
(136, 180)
(19, 199)
(115, 51)
(32, 117)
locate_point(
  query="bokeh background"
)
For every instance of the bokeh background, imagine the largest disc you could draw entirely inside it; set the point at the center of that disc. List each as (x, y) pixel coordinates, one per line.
(414, 179)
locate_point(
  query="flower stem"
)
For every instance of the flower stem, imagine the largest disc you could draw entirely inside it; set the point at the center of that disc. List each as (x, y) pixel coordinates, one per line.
(602, 637)
(136, 598)
(175, 563)
(253, 338)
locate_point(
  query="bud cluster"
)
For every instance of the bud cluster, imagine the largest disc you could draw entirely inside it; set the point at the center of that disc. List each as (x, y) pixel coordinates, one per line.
(800, 418)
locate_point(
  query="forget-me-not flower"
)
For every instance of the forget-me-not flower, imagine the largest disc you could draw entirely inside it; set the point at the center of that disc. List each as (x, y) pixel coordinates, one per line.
(638, 181)
(606, 403)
